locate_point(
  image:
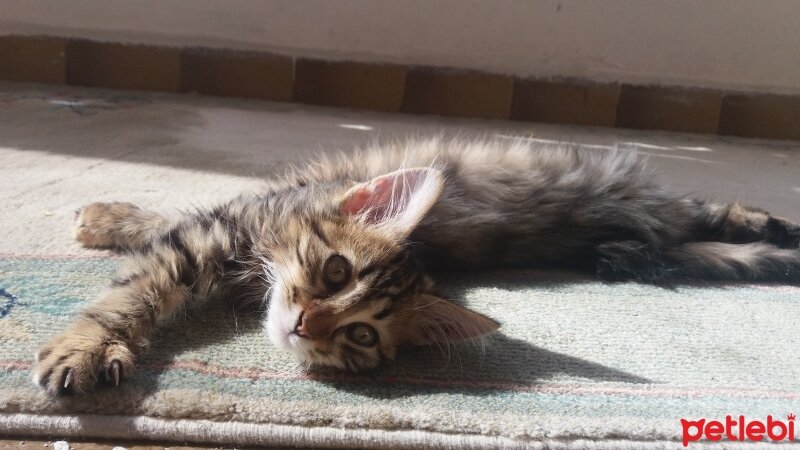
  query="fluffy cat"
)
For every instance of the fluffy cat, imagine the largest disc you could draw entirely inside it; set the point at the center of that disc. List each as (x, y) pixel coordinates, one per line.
(340, 250)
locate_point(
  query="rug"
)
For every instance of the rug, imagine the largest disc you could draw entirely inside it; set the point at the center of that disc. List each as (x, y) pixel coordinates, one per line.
(577, 363)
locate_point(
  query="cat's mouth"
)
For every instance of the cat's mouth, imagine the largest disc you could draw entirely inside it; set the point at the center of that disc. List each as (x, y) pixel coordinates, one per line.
(284, 326)
(297, 331)
(296, 336)
(281, 323)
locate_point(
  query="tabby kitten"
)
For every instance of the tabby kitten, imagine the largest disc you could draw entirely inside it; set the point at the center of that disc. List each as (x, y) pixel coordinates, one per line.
(340, 250)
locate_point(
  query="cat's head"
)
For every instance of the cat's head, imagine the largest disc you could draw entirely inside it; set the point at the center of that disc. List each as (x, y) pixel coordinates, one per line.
(346, 290)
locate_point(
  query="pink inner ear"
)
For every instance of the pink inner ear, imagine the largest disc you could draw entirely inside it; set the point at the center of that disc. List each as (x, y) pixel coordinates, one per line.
(373, 200)
(356, 201)
(383, 197)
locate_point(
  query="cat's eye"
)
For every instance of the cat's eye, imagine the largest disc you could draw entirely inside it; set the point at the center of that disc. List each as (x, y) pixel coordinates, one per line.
(336, 272)
(362, 334)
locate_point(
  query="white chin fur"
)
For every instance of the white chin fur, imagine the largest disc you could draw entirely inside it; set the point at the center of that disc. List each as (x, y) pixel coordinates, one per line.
(280, 322)
(281, 319)
(279, 325)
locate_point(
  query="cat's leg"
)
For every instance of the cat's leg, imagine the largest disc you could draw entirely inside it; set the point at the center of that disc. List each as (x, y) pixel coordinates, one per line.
(177, 269)
(117, 225)
(629, 260)
(738, 224)
(757, 261)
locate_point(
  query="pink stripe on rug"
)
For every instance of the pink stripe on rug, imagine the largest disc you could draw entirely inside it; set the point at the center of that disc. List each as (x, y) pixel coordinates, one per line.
(103, 254)
(204, 368)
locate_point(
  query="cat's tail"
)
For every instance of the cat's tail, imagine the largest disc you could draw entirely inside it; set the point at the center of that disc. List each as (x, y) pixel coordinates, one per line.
(722, 261)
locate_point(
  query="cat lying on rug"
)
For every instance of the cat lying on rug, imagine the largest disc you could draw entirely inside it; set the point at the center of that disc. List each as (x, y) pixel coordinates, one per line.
(338, 249)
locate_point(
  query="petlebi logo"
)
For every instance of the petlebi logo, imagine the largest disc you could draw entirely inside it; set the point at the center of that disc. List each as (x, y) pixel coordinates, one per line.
(739, 429)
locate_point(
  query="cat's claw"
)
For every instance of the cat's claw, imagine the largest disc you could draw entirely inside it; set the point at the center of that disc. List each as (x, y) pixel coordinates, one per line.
(68, 379)
(112, 372)
(71, 364)
(115, 371)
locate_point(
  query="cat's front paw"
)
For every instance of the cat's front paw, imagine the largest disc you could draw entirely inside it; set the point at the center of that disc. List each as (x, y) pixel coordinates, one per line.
(79, 359)
(96, 223)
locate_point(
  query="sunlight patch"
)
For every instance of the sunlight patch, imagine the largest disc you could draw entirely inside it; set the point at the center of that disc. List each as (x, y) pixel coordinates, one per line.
(355, 126)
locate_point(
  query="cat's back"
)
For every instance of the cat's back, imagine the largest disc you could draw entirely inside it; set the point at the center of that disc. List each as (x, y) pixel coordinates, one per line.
(506, 200)
(496, 161)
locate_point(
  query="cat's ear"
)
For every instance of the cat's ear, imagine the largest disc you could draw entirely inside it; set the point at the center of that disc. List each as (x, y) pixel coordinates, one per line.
(438, 321)
(396, 201)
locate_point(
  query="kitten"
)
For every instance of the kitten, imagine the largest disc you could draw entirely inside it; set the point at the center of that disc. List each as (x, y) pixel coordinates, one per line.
(338, 249)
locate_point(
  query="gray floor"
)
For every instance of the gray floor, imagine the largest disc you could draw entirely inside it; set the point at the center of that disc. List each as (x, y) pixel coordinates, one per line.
(61, 147)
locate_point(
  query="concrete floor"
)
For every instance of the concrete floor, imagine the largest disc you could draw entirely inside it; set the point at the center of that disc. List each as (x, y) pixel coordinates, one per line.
(62, 147)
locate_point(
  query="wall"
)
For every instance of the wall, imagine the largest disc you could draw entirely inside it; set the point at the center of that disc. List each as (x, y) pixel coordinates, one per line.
(727, 44)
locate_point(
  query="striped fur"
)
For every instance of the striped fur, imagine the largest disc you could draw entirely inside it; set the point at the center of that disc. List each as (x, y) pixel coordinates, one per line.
(392, 214)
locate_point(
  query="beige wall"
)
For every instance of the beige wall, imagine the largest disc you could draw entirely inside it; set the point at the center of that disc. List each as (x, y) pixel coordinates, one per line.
(751, 45)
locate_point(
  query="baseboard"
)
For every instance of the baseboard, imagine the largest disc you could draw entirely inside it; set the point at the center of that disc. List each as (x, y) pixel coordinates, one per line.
(395, 88)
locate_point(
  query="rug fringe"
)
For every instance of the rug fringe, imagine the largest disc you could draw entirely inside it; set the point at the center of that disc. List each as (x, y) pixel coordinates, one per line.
(239, 433)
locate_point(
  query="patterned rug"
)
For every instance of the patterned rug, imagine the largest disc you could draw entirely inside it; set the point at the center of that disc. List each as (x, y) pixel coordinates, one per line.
(577, 364)
(577, 360)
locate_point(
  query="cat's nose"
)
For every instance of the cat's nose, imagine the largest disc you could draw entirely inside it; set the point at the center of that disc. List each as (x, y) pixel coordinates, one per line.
(315, 325)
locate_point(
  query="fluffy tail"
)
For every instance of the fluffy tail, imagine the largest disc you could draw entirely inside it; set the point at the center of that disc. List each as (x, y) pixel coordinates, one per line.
(722, 261)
